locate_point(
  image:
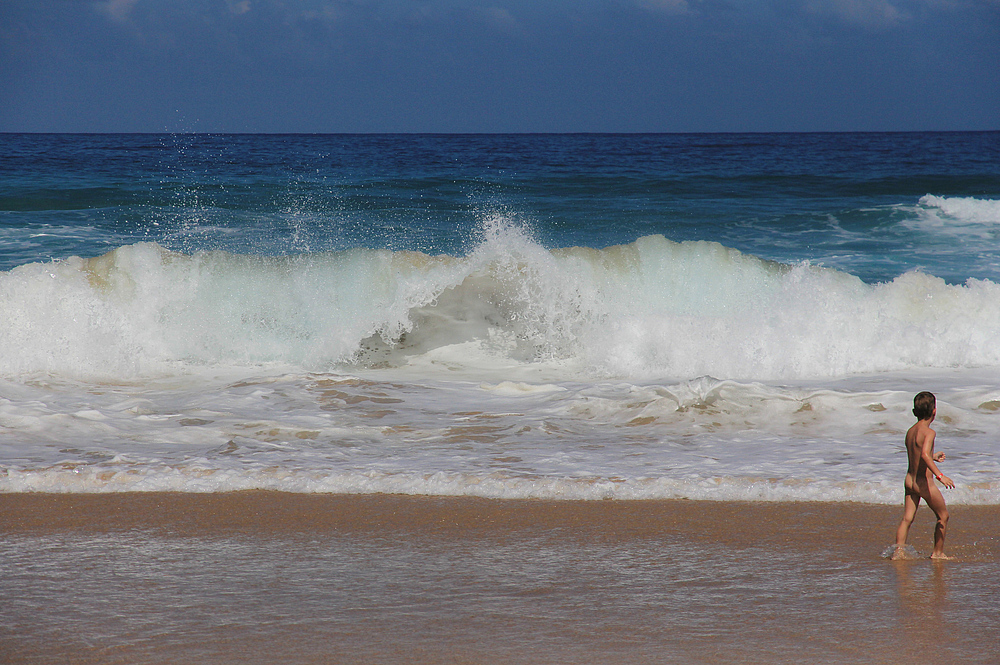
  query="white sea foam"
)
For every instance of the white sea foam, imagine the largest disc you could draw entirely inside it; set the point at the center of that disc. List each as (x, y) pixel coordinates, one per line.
(498, 486)
(699, 439)
(956, 215)
(967, 209)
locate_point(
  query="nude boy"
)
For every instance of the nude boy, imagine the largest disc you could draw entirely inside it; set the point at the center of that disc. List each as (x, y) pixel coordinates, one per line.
(921, 471)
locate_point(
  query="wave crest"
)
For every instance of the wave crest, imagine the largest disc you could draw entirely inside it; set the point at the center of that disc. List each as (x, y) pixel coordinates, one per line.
(650, 308)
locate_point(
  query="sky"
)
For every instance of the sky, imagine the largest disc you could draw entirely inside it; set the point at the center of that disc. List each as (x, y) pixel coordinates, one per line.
(499, 65)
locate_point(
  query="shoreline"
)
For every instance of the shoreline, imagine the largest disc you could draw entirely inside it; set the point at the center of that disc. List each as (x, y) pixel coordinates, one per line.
(807, 525)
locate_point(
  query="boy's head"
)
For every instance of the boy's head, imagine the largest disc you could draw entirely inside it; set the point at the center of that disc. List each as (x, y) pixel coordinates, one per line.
(924, 405)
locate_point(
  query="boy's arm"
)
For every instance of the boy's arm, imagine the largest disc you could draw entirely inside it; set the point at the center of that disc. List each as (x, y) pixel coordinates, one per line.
(926, 446)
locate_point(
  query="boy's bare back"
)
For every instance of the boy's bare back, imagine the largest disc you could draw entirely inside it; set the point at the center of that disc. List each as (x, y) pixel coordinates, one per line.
(918, 438)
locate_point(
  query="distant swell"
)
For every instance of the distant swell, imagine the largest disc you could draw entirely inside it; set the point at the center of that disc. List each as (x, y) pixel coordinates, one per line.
(650, 308)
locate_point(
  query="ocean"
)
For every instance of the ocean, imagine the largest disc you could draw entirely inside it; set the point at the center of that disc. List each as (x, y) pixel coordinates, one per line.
(556, 316)
(509, 322)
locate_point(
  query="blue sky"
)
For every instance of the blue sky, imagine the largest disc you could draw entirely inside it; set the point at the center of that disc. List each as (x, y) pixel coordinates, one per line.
(499, 65)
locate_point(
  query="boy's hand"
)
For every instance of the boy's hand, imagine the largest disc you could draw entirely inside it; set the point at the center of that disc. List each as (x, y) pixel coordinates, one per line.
(939, 457)
(947, 482)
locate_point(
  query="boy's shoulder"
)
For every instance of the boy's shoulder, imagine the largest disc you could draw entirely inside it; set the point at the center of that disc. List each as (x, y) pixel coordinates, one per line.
(922, 432)
(919, 431)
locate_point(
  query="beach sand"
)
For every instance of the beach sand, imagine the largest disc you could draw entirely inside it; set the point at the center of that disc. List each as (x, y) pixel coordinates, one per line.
(267, 577)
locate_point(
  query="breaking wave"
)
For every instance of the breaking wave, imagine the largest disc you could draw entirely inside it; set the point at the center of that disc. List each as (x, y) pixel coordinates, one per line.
(652, 308)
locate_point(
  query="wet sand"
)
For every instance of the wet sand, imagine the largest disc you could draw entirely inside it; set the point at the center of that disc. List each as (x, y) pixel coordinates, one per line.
(264, 577)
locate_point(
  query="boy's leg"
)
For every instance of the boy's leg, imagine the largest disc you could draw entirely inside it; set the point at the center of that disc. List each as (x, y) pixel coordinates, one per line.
(910, 504)
(936, 501)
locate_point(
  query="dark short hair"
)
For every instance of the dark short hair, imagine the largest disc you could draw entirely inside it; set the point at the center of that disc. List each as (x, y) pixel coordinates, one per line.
(923, 405)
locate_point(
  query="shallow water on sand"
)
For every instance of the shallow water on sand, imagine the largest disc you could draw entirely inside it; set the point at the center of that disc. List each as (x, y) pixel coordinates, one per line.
(526, 583)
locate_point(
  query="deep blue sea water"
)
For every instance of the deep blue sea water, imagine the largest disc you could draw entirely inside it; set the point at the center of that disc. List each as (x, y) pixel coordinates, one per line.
(505, 315)
(849, 201)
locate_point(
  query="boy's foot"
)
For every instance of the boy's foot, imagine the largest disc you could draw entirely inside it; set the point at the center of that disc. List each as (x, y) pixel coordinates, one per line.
(942, 557)
(899, 552)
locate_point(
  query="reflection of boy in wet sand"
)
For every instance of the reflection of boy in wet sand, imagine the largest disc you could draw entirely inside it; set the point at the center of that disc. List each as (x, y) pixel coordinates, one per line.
(920, 470)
